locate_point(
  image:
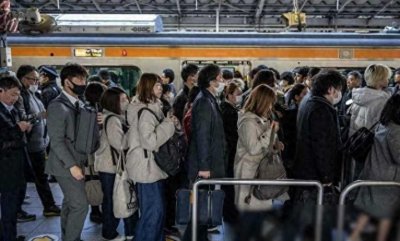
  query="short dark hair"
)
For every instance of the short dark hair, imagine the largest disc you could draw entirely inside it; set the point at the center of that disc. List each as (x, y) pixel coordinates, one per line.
(144, 88)
(188, 70)
(93, 92)
(169, 73)
(111, 100)
(276, 73)
(104, 74)
(264, 76)
(356, 74)
(208, 73)
(94, 78)
(237, 74)
(166, 88)
(288, 76)
(72, 70)
(9, 82)
(24, 70)
(295, 90)
(391, 111)
(227, 74)
(325, 80)
(303, 71)
(254, 71)
(313, 72)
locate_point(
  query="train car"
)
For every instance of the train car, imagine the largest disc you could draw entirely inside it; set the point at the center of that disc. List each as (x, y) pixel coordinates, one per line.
(130, 55)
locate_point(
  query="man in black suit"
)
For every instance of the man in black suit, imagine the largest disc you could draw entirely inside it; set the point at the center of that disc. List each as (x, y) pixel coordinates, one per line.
(13, 154)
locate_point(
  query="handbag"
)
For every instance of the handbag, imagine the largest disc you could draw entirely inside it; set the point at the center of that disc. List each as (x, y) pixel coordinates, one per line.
(124, 194)
(210, 206)
(270, 168)
(360, 143)
(94, 193)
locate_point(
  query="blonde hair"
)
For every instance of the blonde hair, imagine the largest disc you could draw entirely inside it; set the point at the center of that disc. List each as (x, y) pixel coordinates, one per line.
(260, 100)
(377, 75)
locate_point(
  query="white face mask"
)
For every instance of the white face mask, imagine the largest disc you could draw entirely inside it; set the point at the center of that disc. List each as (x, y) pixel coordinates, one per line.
(239, 99)
(33, 88)
(124, 106)
(220, 88)
(338, 98)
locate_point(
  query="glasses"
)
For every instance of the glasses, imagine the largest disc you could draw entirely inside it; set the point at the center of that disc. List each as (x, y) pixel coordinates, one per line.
(32, 79)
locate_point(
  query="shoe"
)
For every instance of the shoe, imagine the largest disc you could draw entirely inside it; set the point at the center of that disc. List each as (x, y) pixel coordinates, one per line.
(23, 217)
(213, 229)
(96, 218)
(52, 211)
(130, 238)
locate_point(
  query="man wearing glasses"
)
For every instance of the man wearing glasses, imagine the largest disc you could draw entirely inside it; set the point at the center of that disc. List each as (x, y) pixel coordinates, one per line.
(32, 110)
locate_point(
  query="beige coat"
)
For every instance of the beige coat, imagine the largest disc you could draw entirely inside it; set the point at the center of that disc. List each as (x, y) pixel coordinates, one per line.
(111, 135)
(146, 134)
(254, 137)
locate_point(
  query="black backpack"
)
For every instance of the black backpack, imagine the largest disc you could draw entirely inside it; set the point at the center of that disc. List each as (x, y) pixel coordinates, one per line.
(360, 143)
(171, 154)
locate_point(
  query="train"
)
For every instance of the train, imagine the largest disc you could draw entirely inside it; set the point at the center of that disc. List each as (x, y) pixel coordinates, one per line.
(129, 55)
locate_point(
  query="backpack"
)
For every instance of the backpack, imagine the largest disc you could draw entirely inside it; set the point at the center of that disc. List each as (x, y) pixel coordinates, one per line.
(270, 168)
(170, 155)
(87, 130)
(360, 143)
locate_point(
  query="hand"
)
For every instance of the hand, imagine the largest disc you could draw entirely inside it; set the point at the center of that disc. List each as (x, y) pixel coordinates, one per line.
(275, 126)
(24, 126)
(174, 119)
(279, 146)
(204, 174)
(77, 173)
(100, 118)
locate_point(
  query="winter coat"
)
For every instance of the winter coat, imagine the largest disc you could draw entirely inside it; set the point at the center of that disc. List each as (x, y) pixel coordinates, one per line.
(367, 106)
(289, 140)
(12, 151)
(318, 141)
(112, 135)
(254, 137)
(382, 164)
(207, 144)
(180, 101)
(145, 136)
(49, 91)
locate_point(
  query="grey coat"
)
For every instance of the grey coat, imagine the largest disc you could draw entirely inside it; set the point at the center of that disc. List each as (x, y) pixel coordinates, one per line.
(61, 128)
(383, 164)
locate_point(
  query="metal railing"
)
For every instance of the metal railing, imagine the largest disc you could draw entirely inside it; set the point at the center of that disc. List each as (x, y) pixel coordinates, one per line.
(346, 191)
(318, 224)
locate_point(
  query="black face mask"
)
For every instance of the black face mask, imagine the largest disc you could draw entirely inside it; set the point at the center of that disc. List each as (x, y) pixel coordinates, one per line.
(79, 90)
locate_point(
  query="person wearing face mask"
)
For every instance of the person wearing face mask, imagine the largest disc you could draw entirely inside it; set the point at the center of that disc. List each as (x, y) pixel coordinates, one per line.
(64, 162)
(32, 109)
(48, 86)
(115, 103)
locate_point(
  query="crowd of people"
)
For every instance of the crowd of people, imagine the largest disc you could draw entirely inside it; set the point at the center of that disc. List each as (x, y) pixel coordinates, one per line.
(229, 123)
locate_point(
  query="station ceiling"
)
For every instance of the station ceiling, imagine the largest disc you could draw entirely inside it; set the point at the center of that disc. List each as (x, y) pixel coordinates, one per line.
(238, 15)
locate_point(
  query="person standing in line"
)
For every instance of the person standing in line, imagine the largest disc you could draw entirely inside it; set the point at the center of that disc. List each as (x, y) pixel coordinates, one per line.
(64, 162)
(48, 85)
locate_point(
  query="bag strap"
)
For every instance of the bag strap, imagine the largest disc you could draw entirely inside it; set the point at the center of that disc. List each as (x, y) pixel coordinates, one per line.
(114, 152)
(149, 110)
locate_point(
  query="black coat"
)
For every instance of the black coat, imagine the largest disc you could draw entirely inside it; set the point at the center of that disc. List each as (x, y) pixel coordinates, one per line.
(318, 141)
(230, 119)
(207, 144)
(180, 101)
(12, 151)
(288, 125)
(49, 91)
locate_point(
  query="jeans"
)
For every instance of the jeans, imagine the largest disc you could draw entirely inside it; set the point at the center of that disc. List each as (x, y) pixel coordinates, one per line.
(110, 223)
(9, 207)
(152, 211)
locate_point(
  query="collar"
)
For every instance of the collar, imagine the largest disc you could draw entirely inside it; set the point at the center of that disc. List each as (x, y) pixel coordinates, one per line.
(8, 107)
(71, 98)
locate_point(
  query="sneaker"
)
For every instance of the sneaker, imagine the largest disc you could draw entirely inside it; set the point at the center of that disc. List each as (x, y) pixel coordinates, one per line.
(213, 229)
(52, 211)
(96, 217)
(23, 217)
(129, 238)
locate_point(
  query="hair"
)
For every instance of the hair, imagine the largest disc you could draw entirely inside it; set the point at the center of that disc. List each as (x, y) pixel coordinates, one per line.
(94, 78)
(93, 92)
(72, 70)
(264, 76)
(295, 90)
(227, 74)
(391, 111)
(9, 82)
(276, 73)
(397, 71)
(313, 72)
(111, 99)
(237, 75)
(254, 71)
(376, 74)
(48, 71)
(188, 70)
(193, 94)
(104, 74)
(230, 89)
(169, 73)
(24, 70)
(144, 88)
(325, 80)
(166, 88)
(114, 77)
(208, 73)
(356, 75)
(303, 71)
(260, 100)
(288, 76)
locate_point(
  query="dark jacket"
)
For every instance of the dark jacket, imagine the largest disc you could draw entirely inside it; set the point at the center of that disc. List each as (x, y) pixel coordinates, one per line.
(50, 91)
(230, 119)
(288, 125)
(180, 101)
(318, 141)
(12, 150)
(207, 144)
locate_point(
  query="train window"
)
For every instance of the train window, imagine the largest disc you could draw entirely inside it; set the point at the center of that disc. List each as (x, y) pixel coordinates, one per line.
(242, 66)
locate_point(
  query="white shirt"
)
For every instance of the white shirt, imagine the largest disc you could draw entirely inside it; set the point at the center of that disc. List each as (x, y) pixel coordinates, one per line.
(8, 107)
(71, 98)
